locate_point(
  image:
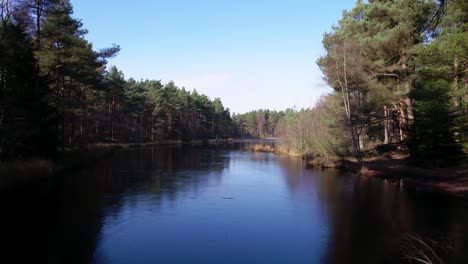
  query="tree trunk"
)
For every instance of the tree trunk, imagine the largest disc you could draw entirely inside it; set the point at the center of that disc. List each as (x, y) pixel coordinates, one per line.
(82, 107)
(407, 90)
(456, 101)
(2, 115)
(361, 141)
(70, 121)
(113, 119)
(81, 126)
(3, 74)
(62, 99)
(152, 129)
(465, 96)
(345, 95)
(402, 119)
(385, 125)
(409, 110)
(38, 47)
(142, 135)
(465, 103)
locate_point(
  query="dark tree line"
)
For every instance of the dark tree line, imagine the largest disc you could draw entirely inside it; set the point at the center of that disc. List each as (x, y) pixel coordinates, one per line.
(56, 93)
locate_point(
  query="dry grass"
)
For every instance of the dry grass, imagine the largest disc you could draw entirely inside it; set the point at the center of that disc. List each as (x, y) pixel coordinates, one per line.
(282, 149)
(262, 148)
(419, 250)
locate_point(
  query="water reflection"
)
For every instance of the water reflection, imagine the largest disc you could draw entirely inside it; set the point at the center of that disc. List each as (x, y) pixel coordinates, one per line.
(139, 180)
(221, 204)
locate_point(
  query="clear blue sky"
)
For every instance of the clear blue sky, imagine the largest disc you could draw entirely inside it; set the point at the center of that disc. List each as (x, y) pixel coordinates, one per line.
(252, 54)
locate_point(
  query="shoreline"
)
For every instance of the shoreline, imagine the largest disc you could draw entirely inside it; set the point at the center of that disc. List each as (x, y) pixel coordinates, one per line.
(450, 180)
(26, 172)
(395, 168)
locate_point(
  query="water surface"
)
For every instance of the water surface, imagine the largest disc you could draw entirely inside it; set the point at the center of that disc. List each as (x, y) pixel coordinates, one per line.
(221, 205)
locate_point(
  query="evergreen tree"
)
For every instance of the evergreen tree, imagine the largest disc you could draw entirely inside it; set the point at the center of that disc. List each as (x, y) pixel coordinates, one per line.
(432, 142)
(24, 116)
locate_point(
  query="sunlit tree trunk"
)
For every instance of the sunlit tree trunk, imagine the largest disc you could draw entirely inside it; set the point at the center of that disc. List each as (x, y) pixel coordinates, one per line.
(401, 119)
(385, 125)
(456, 101)
(465, 102)
(407, 88)
(344, 90)
(465, 96)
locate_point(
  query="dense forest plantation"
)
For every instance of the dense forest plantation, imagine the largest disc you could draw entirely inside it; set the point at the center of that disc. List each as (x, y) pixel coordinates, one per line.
(56, 92)
(399, 71)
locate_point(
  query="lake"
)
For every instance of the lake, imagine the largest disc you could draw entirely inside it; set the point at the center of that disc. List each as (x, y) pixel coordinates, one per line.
(223, 204)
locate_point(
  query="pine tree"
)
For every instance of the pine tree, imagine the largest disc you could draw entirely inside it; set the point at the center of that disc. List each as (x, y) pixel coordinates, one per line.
(24, 116)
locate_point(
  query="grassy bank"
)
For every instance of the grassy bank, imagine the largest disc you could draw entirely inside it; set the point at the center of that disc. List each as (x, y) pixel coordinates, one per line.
(277, 149)
(282, 149)
(17, 173)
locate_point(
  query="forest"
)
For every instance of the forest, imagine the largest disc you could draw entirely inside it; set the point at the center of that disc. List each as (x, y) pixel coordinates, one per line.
(58, 93)
(398, 70)
(399, 73)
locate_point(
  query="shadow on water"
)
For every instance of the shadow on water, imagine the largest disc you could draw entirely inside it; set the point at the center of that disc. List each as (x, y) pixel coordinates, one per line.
(370, 219)
(158, 172)
(221, 204)
(61, 222)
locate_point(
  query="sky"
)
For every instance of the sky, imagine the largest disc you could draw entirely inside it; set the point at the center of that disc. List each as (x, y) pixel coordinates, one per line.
(252, 54)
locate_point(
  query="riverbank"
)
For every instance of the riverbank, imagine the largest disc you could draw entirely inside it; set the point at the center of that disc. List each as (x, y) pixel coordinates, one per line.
(30, 172)
(277, 149)
(451, 180)
(17, 173)
(155, 143)
(397, 168)
(394, 167)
